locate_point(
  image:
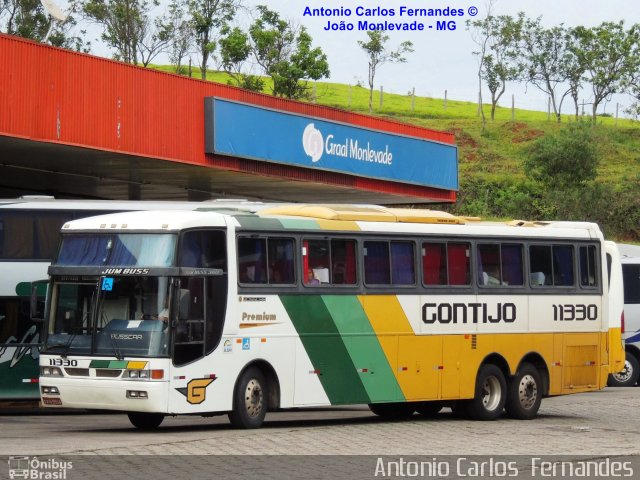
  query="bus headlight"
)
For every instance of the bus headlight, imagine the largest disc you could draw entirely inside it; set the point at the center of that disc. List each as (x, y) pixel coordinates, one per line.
(144, 374)
(50, 372)
(50, 391)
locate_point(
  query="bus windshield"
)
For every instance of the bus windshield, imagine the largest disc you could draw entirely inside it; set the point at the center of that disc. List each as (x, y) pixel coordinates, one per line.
(113, 316)
(122, 250)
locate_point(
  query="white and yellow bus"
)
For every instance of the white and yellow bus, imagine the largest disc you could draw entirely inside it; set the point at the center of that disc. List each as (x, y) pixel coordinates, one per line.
(167, 313)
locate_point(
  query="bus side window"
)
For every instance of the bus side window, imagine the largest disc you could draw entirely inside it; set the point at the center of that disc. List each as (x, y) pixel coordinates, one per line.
(588, 266)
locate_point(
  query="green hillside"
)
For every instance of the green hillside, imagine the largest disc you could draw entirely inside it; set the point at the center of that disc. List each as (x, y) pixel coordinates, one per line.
(492, 178)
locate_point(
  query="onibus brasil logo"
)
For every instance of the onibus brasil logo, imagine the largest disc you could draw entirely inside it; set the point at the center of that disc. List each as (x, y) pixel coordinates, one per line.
(351, 148)
(37, 469)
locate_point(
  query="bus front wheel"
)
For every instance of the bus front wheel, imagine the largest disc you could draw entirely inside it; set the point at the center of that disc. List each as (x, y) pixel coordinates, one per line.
(524, 393)
(490, 394)
(249, 400)
(629, 375)
(145, 421)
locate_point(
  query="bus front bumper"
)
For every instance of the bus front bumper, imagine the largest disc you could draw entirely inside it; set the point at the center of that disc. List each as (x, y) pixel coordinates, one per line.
(122, 395)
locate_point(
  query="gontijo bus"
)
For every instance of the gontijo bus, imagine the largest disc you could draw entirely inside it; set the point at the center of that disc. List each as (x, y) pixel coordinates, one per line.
(167, 313)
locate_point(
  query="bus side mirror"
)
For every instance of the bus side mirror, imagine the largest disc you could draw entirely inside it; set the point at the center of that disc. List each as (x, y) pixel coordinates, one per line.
(184, 302)
(36, 307)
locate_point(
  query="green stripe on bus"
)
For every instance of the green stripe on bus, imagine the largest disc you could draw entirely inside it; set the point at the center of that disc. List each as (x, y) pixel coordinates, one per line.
(118, 364)
(326, 348)
(299, 224)
(99, 364)
(364, 348)
(256, 223)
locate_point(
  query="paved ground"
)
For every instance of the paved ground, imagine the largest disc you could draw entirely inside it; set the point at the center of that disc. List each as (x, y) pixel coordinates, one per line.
(604, 426)
(595, 424)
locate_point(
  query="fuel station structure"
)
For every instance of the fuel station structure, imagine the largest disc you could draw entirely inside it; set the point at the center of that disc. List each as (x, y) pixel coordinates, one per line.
(78, 126)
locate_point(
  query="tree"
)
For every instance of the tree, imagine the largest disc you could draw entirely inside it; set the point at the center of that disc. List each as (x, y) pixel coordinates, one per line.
(498, 38)
(546, 60)
(284, 53)
(124, 24)
(155, 37)
(607, 51)
(378, 54)
(182, 34)
(565, 161)
(208, 18)
(575, 69)
(28, 19)
(235, 49)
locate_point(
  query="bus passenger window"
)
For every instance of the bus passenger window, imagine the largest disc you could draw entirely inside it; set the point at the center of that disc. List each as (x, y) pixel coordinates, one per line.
(252, 260)
(376, 263)
(512, 268)
(434, 263)
(281, 264)
(343, 262)
(315, 261)
(588, 270)
(553, 263)
(458, 263)
(402, 263)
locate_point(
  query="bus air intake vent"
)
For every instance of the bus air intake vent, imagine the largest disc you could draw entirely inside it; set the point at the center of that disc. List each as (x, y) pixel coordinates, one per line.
(77, 372)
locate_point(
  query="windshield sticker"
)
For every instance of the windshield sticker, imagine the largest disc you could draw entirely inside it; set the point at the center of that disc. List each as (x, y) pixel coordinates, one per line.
(134, 323)
(107, 284)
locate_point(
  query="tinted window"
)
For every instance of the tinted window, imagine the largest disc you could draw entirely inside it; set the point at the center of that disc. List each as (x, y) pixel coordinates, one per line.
(446, 263)
(631, 276)
(203, 249)
(266, 261)
(551, 265)
(588, 266)
(500, 264)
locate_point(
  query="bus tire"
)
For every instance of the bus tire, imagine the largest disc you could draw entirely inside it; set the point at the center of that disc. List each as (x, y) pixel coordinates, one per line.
(429, 409)
(145, 421)
(490, 394)
(524, 393)
(392, 411)
(249, 400)
(629, 375)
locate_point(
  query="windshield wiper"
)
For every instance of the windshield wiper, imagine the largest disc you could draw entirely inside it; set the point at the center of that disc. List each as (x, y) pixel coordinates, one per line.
(67, 346)
(116, 349)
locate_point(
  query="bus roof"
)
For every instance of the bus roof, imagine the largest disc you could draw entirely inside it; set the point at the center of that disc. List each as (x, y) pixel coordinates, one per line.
(370, 218)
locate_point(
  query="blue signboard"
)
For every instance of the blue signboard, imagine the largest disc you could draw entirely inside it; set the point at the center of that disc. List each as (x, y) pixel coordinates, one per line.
(257, 133)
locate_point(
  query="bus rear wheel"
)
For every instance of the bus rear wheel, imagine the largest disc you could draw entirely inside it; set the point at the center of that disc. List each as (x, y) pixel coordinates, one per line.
(392, 411)
(490, 394)
(629, 375)
(249, 400)
(145, 421)
(524, 393)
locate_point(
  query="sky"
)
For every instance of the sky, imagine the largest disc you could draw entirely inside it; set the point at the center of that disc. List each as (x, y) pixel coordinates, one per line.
(442, 60)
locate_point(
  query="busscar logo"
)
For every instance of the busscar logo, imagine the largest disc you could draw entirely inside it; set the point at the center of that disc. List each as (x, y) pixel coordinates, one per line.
(312, 142)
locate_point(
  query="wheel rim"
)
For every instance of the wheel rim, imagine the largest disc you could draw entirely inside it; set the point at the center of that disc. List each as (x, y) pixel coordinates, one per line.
(625, 374)
(253, 398)
(491, 393)
(527, 391)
